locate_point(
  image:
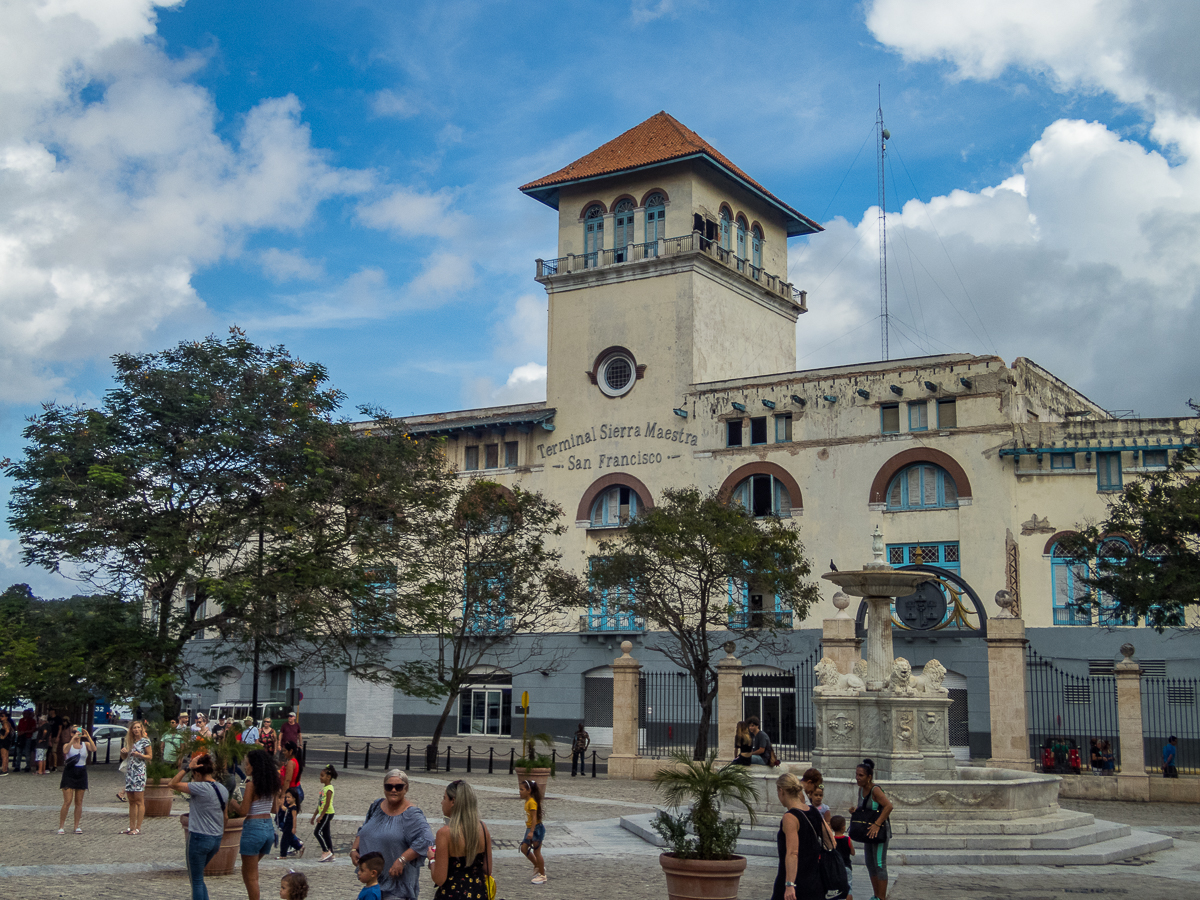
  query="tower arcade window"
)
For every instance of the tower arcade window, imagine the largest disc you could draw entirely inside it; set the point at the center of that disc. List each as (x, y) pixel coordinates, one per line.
(623, 229)
(756, 241)
(726, 229)
(593, 235)
(741, 244)
(656, 222)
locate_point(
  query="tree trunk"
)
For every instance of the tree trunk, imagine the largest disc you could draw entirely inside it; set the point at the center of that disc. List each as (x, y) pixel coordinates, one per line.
(441, 725)
(701, 751)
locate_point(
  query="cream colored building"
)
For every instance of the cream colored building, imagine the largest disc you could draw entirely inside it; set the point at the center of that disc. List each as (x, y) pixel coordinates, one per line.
(671, 362)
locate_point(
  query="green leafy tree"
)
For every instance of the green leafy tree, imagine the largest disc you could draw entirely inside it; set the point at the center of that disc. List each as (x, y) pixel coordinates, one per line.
(681, 566)
(481, 574)
(216, 489)
(68, 652)
(1157, 574)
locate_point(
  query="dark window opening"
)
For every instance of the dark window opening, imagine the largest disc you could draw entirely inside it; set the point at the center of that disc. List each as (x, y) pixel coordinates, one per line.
(471, 459)
(733, 433)
(510, 454)
(493, 456)
(758, 430)
(760, 495)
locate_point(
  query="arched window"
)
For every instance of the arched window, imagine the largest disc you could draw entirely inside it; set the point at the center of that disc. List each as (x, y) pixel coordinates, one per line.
(756, 240)
(764, 495)
(726, 229)
(741, 243)
(593, 235)
(622, 229)
(656, 221)
(922, 486)
(615, 507)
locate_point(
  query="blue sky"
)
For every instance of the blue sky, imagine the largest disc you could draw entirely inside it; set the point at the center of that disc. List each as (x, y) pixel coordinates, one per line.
(342, 179)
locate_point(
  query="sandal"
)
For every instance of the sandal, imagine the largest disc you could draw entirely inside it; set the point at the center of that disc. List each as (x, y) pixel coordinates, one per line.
(79, 831)
(136, 831)
(126, 831)
(62, 831)
(122, 797)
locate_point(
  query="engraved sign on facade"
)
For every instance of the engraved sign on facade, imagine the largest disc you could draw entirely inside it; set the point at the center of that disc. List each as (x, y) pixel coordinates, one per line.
(923, 609)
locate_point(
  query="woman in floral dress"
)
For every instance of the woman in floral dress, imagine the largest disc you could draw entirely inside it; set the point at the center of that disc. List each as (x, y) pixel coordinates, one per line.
(464, 858)
(137, 751)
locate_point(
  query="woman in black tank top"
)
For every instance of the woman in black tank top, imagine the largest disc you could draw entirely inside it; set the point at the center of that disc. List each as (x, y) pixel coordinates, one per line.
(798, 844)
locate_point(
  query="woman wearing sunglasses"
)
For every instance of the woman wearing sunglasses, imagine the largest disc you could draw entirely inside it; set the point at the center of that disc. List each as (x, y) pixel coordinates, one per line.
(396, 828)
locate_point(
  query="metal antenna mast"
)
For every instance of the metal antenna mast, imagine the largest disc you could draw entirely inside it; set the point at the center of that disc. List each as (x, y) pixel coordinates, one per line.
(883, 135)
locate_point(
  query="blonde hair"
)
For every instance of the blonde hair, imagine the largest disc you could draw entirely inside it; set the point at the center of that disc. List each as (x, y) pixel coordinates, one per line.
(742, 734)
(789, 785)
(129, 738)
(464, 820)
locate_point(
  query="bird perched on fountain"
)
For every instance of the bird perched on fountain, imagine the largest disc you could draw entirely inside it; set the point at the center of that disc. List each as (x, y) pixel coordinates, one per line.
(832, 567)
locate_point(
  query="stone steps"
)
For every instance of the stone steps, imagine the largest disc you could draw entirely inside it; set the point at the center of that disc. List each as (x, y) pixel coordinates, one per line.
(1092, 843)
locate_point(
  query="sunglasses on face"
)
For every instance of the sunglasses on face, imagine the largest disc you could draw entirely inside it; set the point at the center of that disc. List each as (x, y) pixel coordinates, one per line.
(394, 787)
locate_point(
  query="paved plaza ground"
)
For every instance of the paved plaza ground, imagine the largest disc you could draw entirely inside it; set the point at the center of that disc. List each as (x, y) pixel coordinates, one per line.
(587, 853)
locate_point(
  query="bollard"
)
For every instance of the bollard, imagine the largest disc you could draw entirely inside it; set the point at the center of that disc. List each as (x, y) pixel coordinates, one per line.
(447, 759)
(593, 763)
(553, 760)
(468, 759)
(367, 756)
(304, 754)
(387, 760)
(491, 758)
(407, 757)
(346, 757)
(107, 751)
(512, 761)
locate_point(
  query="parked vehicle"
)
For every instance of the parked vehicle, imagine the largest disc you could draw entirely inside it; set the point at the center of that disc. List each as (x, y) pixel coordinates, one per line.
(239, 709)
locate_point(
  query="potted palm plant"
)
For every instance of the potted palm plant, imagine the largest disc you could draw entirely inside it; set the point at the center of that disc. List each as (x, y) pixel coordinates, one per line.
(158, 796)
(534, 764)
(700, 861)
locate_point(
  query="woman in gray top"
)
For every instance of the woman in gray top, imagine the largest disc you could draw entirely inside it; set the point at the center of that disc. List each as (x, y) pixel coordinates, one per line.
(205, 820)
(396, 828)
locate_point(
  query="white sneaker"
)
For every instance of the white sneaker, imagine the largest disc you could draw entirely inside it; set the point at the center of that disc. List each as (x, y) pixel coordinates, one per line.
(538, 879)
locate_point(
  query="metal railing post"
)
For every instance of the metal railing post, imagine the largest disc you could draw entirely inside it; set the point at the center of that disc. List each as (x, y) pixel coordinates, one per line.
(491, 758)
(346, 757)
(512, 760)
(447, 759)
(407, 757)
(593, 763)
(387, 760)
(367, 756)
(468, 759)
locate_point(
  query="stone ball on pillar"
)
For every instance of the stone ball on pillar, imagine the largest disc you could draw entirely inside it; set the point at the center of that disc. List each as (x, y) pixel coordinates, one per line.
(1127, 650)
(841, 600)
(626, 646)
(730, 646)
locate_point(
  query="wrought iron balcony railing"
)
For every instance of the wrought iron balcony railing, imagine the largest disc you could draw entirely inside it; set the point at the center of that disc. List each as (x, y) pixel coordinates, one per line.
(600, 621)
(760, 618)
(676, 246)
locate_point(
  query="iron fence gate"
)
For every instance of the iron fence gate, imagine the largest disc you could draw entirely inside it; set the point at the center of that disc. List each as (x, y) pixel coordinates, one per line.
(1066, 713)
(1169, 709)
(669, 714)
(783, 703)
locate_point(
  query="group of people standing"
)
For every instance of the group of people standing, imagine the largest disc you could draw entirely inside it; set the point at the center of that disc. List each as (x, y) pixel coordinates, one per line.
(809, 831)
(34, 741)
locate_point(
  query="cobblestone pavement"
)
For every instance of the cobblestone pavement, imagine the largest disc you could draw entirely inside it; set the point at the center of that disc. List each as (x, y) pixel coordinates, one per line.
(587, 853)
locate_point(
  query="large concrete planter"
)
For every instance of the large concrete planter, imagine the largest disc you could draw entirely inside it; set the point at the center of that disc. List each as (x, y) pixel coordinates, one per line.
(158, 799)
(541, 776)
(702, 879)
(226, 859)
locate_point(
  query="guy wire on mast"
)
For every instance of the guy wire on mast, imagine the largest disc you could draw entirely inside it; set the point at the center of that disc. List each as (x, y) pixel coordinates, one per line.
(883, 135)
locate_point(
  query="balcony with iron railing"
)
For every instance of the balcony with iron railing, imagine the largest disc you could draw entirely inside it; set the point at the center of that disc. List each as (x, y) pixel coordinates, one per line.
(740, 620)
(597, 621)
(694, 243)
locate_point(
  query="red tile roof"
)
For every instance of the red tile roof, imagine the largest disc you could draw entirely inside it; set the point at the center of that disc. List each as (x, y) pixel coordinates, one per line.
(659, 139)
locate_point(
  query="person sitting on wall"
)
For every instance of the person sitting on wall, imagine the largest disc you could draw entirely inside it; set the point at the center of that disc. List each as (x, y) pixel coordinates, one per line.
(760, 744)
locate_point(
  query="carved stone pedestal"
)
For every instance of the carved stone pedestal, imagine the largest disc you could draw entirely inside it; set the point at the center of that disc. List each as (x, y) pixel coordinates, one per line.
(908, 737)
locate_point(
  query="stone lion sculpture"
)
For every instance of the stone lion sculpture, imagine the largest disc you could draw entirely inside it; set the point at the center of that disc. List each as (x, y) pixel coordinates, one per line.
(931, 678)
(901, 681)
(830, 679)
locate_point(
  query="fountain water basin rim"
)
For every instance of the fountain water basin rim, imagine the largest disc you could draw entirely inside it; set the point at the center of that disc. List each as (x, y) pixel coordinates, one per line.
(878, 582)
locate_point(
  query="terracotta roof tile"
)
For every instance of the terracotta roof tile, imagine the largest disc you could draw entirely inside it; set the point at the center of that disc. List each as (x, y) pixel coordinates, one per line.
(659, 139)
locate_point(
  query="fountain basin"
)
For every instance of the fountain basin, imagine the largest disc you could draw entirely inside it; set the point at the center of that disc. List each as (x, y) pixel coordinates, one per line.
(881, 582)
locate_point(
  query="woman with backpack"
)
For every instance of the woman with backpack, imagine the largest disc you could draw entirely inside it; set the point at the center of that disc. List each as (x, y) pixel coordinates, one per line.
(798, 842)
(204, 820)
(873, 810)
(396, 828)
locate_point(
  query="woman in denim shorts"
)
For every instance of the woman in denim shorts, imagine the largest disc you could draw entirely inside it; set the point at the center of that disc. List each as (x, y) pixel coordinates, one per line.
(259, 803)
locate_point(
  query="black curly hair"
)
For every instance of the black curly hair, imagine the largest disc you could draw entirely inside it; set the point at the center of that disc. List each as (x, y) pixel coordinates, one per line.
(263, 773)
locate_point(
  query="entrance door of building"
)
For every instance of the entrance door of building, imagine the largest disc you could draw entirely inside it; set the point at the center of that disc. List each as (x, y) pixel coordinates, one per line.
(482, 711)
(770, 694)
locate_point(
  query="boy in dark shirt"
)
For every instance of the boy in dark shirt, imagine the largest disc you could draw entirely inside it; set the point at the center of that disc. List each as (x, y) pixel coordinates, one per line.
(845, 847)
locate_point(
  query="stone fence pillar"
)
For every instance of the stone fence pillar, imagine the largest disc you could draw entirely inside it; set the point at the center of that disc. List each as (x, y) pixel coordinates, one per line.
(839, 642)
(729, 702)
(626, 673)
(1007, 694)
(1132, 781)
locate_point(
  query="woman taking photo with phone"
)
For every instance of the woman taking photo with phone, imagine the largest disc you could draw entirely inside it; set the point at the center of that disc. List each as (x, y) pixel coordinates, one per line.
(204, 820)
(74, 782)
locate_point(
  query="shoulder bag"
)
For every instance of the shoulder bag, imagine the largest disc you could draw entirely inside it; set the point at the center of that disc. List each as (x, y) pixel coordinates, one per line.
(862, 819)
(488, 881)
(830, 865)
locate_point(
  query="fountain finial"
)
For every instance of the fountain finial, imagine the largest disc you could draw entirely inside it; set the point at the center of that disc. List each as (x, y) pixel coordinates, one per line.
(877, 550)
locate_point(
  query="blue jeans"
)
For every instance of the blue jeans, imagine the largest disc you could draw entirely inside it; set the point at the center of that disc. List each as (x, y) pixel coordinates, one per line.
(201, 848)
(258, 837)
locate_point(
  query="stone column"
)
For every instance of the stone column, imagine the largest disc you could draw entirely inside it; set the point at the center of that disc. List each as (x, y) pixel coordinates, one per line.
(838, 639)
(1006, 694)
(729, 702)
(879, 642)
(626, 671)
(1132, 782)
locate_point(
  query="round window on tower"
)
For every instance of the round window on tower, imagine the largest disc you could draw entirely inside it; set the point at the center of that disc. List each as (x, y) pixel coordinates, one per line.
(616, 374)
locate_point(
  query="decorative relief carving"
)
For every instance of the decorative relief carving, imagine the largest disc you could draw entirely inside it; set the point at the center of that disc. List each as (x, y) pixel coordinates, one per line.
(945, 798)
(840, 728)
(931, 731)
(1012, 571)
(904, 727)
(1037, 526)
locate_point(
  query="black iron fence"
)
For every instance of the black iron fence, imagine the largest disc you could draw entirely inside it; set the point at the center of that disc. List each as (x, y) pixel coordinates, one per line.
(669, 714)
(1066, 714)
(783, 703)
(490, 760)
(1169, 709)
